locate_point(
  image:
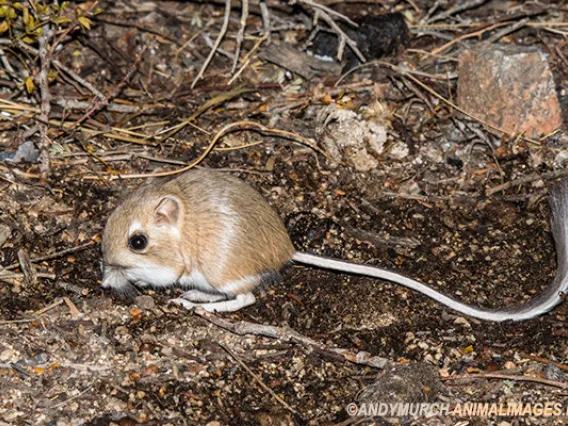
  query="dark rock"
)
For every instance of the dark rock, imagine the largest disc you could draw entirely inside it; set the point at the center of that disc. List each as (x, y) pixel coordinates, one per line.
(377, 36)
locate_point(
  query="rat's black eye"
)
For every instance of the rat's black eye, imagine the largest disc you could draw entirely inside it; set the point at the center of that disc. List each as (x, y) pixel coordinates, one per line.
(137, 242)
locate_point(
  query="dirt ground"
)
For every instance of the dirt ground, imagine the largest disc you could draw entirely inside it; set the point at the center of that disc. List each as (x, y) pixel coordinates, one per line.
(71, 353)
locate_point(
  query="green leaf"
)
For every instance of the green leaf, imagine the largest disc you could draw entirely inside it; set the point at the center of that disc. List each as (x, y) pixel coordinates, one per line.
(26, 17)
(30, 24)
(61, 20)
(85, 22)
(29, 84)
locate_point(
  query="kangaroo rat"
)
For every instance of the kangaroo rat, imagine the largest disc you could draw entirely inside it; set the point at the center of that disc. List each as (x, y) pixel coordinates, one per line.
(215, 234)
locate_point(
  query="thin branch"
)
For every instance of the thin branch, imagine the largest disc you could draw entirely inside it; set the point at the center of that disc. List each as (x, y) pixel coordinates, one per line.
(21, 45)
(56, 254)
(241, 33)
(74, 397)
(43, 81)
(112, 107)
(459, 7)
(247, 58)
(239, 125)
(547, 382)
(527, 179)
(510, 29)
(328, 11)
(286, 334)
(27, 268)
(8, 67)
(408, 74)
(259, 380)
(430, 12)
(265, 13)
(142, 27)
(18, 276)
(79, 80)
(325, 13)
(478, 33)
(217, 42)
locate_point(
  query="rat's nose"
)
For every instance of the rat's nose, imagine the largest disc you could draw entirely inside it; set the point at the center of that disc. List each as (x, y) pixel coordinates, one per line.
(113, 277)
(105, 269)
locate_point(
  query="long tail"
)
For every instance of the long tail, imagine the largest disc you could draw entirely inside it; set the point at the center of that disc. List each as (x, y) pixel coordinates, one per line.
(540, 304)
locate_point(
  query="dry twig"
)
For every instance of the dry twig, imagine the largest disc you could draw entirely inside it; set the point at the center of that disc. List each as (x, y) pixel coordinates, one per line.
(265, 13)
(408, 74)
(217, 42)
(27, 268)
(49, 307)
(112, 107)
(72, 308)
(7, 277)
(21, 45)
(259, 380)
(325, 13)
(55, 255)
(527, 179)
(43, 81)
(239, 125)
(545, 361)
(241, 33)
(72, 398)
(459, 7)
(547, 382)
(288, 335)
(137, 25)
(478, 33)
(508, 30)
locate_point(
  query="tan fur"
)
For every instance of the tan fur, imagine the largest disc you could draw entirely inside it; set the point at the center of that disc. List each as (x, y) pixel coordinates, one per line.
(228, 231)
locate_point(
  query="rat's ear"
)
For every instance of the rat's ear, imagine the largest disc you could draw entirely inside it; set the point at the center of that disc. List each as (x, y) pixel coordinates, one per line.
(168, 211)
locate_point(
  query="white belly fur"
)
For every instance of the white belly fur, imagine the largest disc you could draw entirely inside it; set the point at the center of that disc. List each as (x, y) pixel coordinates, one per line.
(197, 280)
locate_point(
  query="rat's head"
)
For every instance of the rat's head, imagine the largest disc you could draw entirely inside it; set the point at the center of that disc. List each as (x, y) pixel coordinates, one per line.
(142, 242)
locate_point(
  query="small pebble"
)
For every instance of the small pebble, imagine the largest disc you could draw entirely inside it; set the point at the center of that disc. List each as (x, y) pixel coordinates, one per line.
(5, 233)
(145, 302)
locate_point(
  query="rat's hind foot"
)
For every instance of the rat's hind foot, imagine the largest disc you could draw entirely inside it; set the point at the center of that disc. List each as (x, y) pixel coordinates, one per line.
(232, 305)
(199, 296)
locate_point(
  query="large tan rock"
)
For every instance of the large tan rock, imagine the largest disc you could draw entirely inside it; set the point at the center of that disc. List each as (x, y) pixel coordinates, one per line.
(509, 87)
